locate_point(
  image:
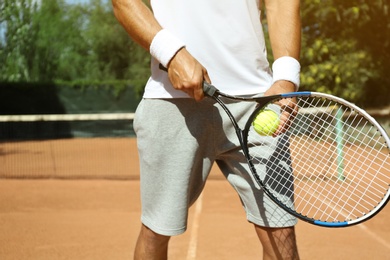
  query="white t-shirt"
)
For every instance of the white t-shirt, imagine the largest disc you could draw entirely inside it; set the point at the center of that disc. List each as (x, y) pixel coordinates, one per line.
(225, 36)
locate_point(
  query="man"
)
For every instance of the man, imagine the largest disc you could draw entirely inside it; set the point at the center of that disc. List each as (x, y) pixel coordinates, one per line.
(220, 42)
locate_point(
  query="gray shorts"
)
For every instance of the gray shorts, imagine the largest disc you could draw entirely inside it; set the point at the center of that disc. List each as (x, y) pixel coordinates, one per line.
(178, 142)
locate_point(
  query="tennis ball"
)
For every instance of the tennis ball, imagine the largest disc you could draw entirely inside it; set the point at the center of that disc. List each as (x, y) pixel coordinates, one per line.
(266, 122)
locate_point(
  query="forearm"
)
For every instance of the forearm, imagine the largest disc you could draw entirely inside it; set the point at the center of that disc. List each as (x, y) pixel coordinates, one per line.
(138, 20)
(284, 25)
(184, 72)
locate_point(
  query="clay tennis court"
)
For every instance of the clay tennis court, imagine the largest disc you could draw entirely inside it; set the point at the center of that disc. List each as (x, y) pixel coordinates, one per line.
(65, 199)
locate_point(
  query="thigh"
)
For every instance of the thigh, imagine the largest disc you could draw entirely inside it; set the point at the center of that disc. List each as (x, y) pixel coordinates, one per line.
(260, 209)
(174, 164)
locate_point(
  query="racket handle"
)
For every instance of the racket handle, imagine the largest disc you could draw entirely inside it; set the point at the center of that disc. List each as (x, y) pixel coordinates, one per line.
(209, 89)
(161, 67)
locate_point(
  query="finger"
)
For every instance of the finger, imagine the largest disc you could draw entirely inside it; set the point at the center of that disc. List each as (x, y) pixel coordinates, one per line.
(283, 126)
(198, 92)
(287, 115)
(206, 76)
(289, 109)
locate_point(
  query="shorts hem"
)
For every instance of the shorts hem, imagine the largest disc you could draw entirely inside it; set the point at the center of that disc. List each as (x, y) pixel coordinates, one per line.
(162, 231)
(288, 223)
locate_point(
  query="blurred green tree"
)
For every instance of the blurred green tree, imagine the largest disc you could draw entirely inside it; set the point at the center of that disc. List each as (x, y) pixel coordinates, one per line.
(346, 49)
(345, 46)
(75, 43)
(17, 27)
(54, 31)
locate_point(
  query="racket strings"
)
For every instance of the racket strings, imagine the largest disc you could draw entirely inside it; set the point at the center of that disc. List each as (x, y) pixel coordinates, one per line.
(340, 162)
(351, 195)
(367, 163)
(318, 164)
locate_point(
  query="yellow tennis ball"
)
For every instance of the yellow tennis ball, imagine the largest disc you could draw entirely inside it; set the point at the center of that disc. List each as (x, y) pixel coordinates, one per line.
(266, 122)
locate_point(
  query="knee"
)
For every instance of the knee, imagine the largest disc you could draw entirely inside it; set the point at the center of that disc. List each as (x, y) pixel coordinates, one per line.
(149, 235)
(278, 243)
(151, 245)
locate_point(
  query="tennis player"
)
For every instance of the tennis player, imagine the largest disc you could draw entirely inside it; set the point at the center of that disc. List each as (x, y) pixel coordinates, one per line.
(180, 133)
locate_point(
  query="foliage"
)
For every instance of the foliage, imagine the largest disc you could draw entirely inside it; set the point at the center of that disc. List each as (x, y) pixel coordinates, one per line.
(74, 43)
(345, 47)
(19, 35)
(20, 98)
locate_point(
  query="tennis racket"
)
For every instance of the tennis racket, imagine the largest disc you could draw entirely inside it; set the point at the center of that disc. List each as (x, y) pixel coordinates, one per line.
(339, 157)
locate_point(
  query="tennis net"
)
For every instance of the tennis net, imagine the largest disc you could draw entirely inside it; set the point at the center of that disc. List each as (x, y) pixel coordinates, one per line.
(68, 146)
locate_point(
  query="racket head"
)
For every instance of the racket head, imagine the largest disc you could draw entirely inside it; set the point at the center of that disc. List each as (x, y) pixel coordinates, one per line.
(330, 168)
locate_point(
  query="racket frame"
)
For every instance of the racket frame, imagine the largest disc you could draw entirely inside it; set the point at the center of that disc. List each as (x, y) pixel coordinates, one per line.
(242, 134)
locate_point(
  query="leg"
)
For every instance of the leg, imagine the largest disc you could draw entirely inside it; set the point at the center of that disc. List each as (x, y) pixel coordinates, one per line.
(278, 243)
(174, 167)
(151, 245)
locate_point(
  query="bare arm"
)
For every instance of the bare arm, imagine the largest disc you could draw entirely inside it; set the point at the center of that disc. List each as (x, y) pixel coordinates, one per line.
(138, 20)
(284, 26)
(185, 72)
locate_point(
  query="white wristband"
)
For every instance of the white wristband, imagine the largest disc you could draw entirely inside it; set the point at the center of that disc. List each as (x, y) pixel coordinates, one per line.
(164, 46)
(286, 68)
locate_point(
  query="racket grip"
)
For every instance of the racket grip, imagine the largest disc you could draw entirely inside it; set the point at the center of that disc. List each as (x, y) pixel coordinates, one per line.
(209, 89)
(161, 67)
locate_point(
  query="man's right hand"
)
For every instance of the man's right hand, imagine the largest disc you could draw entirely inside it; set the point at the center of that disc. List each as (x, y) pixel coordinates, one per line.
(187, 74)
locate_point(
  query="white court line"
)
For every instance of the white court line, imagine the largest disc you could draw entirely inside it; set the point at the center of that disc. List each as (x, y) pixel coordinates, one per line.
(362, 227)
(193, 244)
(68, 117)
(379, 239)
